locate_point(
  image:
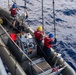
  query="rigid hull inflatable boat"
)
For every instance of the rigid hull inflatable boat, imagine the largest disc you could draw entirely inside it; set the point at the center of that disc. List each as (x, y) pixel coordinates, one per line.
(27, 62)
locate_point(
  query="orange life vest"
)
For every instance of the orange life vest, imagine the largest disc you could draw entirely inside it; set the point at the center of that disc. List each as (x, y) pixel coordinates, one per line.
(46, 42)
(38, 35)
(13, 11)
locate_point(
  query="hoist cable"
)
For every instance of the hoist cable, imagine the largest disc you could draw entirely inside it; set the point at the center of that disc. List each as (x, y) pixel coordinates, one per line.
(42, 17)
(54, 19)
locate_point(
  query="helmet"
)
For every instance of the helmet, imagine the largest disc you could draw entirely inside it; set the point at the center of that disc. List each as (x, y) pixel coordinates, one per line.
(51, 35)
(1, 21)
(39, 28)
(14, 5)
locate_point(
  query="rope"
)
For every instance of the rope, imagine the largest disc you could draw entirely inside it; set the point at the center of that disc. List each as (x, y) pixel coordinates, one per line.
(54, 19)
(42, 17)
(3, 33)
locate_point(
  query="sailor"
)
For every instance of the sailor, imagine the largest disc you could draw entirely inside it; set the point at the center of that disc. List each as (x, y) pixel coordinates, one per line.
(13, 12)
(48, 43)
(39, 37)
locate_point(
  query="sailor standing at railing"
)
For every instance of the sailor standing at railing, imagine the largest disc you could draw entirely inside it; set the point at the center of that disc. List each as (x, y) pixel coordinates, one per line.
(13, 12)
(48, 43)
(39, 37)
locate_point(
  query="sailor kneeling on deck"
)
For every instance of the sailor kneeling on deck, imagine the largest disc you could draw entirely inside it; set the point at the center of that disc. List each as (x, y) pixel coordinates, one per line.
(48, 43)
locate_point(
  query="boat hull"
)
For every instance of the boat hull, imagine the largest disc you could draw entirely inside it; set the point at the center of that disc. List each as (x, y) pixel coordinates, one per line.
(5, 55)
(11, 63)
